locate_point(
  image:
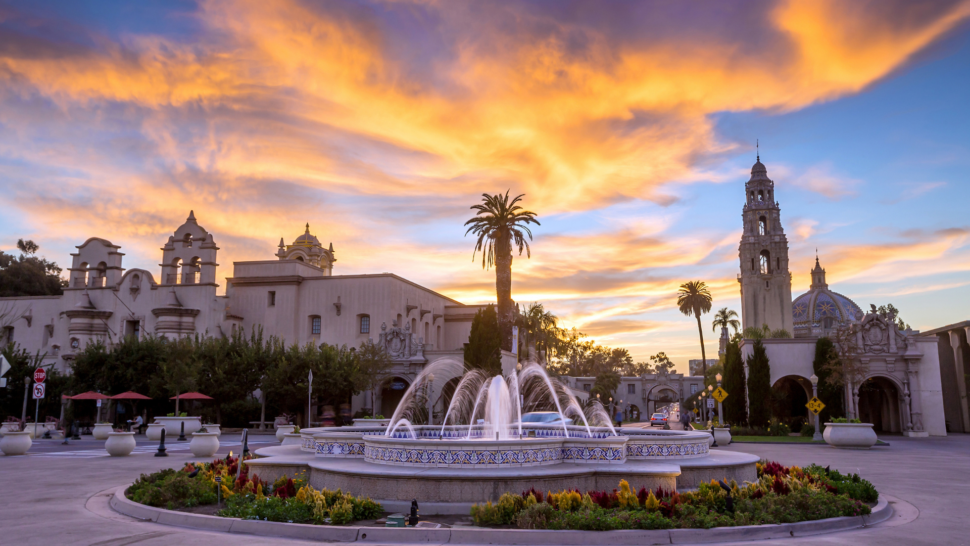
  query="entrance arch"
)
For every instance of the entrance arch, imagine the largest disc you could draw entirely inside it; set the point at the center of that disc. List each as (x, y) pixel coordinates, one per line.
(879, 404)
(660, 396)
(789, 395)
(391, 393)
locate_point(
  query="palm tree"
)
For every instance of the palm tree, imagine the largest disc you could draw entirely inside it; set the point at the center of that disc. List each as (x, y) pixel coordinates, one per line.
(694, 298)
(499, 224)
(540, 328)
(726, 318)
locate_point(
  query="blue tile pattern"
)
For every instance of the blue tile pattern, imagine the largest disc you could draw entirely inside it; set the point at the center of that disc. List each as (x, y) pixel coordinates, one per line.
(340, 448)
(594, 454)
(462, 457)
(643, 450)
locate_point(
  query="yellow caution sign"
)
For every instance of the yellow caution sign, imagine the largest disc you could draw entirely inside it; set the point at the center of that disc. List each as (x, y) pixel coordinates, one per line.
(815, 405)
(719, 394)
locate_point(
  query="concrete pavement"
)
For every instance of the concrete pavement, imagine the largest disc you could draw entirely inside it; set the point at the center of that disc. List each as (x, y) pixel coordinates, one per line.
(61, 499)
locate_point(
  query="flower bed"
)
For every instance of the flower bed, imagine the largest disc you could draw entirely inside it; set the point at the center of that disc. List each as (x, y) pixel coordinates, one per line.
(781, 495)
(289, 500)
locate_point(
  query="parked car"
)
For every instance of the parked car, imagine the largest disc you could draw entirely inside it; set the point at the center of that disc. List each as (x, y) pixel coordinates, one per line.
(545, 418)
(658, 419)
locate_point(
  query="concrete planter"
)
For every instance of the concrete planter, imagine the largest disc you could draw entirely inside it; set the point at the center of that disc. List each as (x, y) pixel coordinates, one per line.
(850, 435)
(15, 443)
(723, 436)
(282, 430)
(216, 429)
(173, 425)
(9, 427)
(292, 440)
(204, 444)
(120, 444)
(154, 431)
(101, 431)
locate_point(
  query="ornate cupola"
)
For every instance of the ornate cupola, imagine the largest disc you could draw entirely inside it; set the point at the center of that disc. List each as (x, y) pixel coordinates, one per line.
(307, 248)
(763, 252)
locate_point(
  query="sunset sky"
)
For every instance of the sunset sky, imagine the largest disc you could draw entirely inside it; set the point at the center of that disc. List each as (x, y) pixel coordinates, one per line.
(630, 126)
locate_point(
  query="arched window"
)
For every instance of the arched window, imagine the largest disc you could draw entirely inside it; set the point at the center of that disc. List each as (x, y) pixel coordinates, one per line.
(427, 332)
(173, 278)
(299, 258)
(102, 274)
(414, 326)
(827, 322)
(761, 195)
(752, 264)
(751, 197)
(765, 262)
(187, 240)
(762, 226)
(365, 324)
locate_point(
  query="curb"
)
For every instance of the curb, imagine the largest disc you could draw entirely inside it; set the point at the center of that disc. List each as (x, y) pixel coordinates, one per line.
(326, 533)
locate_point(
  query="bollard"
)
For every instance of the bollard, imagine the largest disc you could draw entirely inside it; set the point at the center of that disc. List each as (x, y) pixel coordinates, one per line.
(182, 433)
(245, 443)
(413, 518)
(161, 446)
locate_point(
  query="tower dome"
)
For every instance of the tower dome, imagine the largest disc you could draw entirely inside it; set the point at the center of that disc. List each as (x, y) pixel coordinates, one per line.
(307, 248)
(820, 311)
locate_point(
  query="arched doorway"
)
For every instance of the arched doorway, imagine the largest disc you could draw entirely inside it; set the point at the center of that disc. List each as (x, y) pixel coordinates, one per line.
(391, 394)
(659, 397)
(633, 413)
(879, 404)
(789, 395)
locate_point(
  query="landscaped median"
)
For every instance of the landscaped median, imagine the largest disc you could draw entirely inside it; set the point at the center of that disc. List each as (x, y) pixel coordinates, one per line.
(784, 502)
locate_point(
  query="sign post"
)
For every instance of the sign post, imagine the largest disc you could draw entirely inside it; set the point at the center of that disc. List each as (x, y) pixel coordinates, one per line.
(309, 399)
(39, 377)
(720, 394)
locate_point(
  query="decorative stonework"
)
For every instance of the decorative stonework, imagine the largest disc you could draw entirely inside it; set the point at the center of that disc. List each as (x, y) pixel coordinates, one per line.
(657, 450)
(463, 455)
(401, 344)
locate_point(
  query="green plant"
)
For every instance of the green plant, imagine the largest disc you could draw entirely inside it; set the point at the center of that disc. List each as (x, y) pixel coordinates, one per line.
(777, 428)
(845, 420)
(808, 430)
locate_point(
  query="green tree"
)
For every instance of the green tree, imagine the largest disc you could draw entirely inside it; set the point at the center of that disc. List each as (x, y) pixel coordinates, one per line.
(638, 368)
(829, 392)
(178, 373)
(500, 224)
(483, 350)
(538, 329)
(734, 383)
(662, 362)
(28, 275)
(22, 366)
(605, 386)
(759, 385)
(726, 318)
(889, 310)
(693, 298)
(375, 368)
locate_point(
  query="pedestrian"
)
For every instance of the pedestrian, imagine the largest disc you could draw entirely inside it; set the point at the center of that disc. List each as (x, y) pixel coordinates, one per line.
(618, 417)
(136, 424)
(685, 418)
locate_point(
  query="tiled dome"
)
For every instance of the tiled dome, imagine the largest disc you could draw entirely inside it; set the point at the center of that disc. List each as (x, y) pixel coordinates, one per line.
(819, 303)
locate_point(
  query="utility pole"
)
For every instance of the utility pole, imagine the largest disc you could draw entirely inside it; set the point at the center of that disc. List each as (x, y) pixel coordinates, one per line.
(23, 414)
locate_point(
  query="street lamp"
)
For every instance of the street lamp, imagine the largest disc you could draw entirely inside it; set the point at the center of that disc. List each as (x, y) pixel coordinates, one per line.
(818, 432)
(720, 410)
(703, 404)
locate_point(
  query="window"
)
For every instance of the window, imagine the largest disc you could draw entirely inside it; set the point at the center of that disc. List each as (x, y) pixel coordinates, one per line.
(631, 388)
(133, 328)
(315, 325)
(587, 387)
(761, 195)
(8, 334)
(271, 301)
(693, 389)
(765, 262)
(762, 226)
(75, 343)
(777, 264)
(752, 264)
(365, 324)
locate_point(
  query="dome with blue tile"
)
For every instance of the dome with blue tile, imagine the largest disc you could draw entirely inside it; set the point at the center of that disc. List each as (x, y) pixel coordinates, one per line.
(821, 308)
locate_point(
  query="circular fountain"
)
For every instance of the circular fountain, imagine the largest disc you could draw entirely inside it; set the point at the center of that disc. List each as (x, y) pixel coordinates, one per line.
(482, 448)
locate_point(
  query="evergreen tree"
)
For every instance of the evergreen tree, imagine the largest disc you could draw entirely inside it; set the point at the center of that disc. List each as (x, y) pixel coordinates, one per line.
(483, 350)
(735, 411)
(830, 394)
(759, 386)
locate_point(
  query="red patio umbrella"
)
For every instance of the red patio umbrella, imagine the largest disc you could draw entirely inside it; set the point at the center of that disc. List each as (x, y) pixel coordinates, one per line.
(190, 396)
(91, 395)
(129, 396)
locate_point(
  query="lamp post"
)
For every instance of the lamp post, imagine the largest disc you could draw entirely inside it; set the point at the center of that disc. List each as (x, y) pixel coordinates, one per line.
(720, 410)
(703, 403)
(710, 390)
(818, 433)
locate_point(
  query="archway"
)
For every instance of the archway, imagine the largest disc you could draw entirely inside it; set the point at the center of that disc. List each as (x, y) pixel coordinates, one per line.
(879, 404)
(391, 394)
(659, 397)
(633, 413)
(789, 395)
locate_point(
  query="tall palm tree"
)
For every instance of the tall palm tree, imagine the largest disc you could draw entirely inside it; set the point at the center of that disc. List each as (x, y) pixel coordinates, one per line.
(499, 224)
(540, 328)
(694, 298)
(726, 318)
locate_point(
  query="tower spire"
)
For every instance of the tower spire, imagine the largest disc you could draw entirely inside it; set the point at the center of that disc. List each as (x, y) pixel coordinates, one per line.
(757, 148)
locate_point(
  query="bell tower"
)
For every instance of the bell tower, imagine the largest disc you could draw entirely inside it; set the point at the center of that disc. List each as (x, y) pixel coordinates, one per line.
(765, 280)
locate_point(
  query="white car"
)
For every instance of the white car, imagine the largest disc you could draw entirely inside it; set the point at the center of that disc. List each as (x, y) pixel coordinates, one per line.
(658, 419)
(545, 418)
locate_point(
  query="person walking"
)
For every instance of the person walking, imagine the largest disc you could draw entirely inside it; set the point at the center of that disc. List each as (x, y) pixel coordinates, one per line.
(618, 417)
(685, 419)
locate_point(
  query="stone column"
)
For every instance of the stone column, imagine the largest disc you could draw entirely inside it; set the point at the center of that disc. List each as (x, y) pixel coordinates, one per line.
(917, 411)
(960, 377)
(905, 407)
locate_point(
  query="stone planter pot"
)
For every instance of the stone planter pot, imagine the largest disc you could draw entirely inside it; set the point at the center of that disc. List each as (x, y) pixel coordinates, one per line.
(850, 435)
(174, 424)
(154, 431)
(120, 444)
(282, 430)
(292, 439)
(204, 444)
(15, 443)
(723, 436)
(215, 429)
(101, 431)
(9, 427)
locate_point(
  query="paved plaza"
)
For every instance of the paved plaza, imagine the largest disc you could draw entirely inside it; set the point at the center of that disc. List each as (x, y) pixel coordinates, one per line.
(59, 494)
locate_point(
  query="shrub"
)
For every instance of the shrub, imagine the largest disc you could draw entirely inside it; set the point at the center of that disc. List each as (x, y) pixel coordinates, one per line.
(808, 430)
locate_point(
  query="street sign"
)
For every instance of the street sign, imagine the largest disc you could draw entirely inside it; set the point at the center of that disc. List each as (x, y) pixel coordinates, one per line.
(710, 403)
(99, 402)
(39, 389)
(39, 375)
(719, 394)
(4, 366)
(815, 405)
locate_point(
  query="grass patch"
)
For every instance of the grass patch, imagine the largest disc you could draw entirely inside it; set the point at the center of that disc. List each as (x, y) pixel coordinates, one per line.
(775, 439)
